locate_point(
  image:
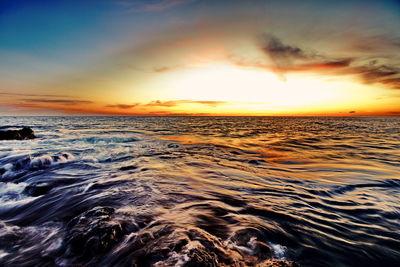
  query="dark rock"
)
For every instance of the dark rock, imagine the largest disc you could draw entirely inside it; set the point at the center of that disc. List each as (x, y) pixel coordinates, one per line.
(24, 133)
(250, 237)
(201, 257)
(38, 189)
(128, 168)
(172, 145)
(93, 233)
(256, 162)
(277, 263)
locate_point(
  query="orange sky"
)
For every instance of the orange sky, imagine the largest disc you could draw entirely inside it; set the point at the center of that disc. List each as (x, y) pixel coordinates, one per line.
(202, 58)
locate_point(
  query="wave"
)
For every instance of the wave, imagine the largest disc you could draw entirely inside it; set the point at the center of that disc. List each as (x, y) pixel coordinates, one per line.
(123, 191)
(18, 166)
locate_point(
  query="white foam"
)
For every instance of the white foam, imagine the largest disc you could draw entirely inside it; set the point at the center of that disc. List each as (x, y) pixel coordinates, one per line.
(8, 166)
(181, 258)
(88, 187)
(3, 253)
(279, 251)
(26, 163)
(11, 189)
(11, 195)
(41, 161)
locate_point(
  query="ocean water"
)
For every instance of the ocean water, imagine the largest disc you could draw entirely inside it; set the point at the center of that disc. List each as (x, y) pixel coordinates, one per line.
(177, 191)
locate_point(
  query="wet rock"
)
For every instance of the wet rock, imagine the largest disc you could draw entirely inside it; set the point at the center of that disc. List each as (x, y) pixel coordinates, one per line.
(93, 233)
(201, 257)
(172, 145)
(249, 238)
(38, 189)
(128, 168)
(256, 161)
(24, 133)
(277, 263)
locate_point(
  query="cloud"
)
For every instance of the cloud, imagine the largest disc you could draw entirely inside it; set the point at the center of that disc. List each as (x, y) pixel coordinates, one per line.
(159, 69)
(375, 43)
(289, 58)
(172, 103)
(166, 68)
(152, 5)
(122, 106)
(392, 82)
(281, 52)
(69, 102)
(374, 73)
(167, 104)
(286, 58)
(29, 95)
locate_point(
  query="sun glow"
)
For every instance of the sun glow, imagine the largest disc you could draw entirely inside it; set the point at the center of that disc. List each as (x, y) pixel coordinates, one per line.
(232, 83)
(247, 90)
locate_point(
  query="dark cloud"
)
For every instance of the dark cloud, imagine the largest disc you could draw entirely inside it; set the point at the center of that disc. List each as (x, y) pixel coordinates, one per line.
(281, 53)
(123, 106)
(392, 82)
(352, 112)
(372, 72)
(69, 102)
(289, 58)
(321, 66)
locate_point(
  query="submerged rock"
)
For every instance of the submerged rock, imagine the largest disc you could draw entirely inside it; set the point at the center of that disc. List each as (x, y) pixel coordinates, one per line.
(24, 133)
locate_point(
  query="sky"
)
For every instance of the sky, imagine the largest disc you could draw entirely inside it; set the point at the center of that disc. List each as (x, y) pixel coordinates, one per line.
(200, 57)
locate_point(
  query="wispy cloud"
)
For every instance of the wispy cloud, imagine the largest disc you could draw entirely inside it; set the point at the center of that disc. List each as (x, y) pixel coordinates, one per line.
(29, 95)
(285, 58)
(69, 102)
(167, 104)
(158, 69)
(173, 103)
(375, 73)
(152, 5)
(122, 106)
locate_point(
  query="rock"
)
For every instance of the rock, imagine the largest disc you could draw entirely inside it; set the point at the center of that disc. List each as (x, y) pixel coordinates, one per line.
(93, 233)
(128, 168)
(277, 263)
(201, 257)
(24, 133)
(249, 238)
(38, 189)
(172, 145)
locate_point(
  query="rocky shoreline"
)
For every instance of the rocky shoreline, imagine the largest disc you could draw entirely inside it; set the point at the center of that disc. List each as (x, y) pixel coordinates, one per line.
(22, 134)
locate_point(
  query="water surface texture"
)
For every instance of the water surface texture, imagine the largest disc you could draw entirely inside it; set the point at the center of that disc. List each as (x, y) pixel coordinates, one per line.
(174, 191)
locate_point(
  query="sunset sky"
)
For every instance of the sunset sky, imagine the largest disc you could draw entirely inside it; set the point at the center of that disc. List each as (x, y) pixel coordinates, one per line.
(199, 57)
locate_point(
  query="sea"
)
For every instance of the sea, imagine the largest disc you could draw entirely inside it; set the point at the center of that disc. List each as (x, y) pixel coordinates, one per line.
(200, 191)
